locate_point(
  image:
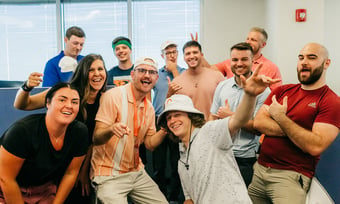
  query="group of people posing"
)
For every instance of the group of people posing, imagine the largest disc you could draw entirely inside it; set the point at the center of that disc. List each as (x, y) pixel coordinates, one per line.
(235, 134)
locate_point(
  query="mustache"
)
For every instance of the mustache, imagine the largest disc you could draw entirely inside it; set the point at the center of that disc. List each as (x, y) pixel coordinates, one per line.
(305, 69)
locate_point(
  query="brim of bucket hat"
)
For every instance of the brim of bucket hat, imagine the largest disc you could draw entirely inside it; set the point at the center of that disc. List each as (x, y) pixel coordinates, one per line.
(177, 107)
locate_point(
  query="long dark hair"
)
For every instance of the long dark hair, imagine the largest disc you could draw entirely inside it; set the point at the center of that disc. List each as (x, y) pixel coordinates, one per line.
(80, 80)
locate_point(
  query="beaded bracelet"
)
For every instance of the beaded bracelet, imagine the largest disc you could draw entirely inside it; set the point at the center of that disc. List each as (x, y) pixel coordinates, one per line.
(26, 88)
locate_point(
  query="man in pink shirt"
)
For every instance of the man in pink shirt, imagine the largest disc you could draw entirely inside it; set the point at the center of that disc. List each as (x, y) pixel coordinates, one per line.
(257, 38)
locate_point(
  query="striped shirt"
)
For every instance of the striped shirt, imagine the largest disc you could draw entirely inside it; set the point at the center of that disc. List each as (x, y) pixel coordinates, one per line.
(117, 155)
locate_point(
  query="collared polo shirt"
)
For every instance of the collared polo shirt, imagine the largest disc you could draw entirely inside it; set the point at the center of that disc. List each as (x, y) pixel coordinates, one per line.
(105, 161)
(245, 143)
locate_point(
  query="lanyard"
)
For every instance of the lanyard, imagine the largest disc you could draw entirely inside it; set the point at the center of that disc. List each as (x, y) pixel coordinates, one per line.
(192, 137)
(136, 125)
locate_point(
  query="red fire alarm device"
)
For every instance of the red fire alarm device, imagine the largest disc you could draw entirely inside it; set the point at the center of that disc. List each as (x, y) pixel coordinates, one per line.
(300, 15)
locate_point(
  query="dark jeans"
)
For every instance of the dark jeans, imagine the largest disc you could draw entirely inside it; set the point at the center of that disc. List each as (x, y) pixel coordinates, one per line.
(76, 196)
(165, 160)
(246, 168)
(171, 187)
(142, 153)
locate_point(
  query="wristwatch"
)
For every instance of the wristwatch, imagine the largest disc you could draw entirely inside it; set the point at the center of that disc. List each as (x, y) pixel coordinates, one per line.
(26, 88)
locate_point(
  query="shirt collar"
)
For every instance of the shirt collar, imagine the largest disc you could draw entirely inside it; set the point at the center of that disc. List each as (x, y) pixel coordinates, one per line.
(130, 95)
(234, 83)
(259, 60)
(194, 134)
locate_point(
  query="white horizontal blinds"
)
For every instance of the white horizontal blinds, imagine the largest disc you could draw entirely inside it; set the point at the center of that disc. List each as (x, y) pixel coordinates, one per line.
(27, 38)
(101, 21)
(157, 21)
(28, 29)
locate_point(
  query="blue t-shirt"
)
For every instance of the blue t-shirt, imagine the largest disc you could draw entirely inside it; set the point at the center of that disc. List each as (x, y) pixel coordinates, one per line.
(53, 73)
(118, 76)
(161, 89)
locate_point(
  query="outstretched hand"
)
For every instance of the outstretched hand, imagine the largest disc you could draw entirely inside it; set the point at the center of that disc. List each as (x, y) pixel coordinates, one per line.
(120, 129)
(84, 180)
(256, 83)
(34, 79)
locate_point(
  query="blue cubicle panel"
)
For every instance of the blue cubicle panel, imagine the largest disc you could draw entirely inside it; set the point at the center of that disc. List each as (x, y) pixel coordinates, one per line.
(328, 170)
(7, 83)
(8, 114)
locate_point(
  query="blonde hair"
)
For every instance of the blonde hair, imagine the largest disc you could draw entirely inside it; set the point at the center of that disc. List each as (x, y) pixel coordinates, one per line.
(262, 31)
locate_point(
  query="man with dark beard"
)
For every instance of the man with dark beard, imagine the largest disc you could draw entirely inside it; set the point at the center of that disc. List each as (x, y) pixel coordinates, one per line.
(300, 121)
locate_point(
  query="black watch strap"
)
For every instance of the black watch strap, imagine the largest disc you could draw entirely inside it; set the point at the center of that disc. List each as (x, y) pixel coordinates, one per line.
(26, 88)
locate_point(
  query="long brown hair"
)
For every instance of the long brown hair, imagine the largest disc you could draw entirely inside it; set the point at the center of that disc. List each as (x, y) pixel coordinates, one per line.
(80, 80)
(197, 120)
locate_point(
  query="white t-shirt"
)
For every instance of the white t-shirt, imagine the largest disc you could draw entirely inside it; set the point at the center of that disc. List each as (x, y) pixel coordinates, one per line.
(212, 175)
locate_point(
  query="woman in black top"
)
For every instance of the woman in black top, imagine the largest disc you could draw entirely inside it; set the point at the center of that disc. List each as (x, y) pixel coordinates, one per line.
(41, 154)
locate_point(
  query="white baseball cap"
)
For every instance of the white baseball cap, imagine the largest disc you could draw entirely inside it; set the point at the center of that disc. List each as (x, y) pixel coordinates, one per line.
(167, 44)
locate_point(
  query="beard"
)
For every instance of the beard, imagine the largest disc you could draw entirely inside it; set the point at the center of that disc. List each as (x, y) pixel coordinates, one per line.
(314, 75)
(246, 73)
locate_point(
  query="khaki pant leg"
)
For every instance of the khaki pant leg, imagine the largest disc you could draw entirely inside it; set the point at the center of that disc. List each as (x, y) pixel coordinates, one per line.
(113, 189)
(257, 188)
(146, 190)
(288, 187)
(278, 186)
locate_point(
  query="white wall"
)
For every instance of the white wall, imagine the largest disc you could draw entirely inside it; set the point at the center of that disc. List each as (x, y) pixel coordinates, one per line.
(332, 42)
(290, 36)
(226, 22)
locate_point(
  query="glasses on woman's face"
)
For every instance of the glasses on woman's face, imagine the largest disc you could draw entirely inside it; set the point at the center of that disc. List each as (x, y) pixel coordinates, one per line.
(144, 71)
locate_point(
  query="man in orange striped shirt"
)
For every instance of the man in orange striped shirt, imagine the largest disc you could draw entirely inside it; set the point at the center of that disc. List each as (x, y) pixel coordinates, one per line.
(125, 120)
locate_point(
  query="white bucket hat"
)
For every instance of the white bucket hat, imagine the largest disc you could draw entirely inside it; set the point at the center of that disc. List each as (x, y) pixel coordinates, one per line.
(178, 102)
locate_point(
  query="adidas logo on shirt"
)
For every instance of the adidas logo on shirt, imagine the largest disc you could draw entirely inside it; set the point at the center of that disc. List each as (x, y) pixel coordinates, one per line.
(313, 105)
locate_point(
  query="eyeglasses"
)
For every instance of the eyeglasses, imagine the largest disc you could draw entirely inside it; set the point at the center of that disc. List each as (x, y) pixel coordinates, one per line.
(143, 71)
(171, 53)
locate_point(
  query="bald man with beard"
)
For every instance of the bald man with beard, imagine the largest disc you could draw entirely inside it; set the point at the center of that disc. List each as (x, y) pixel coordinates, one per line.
(300, 121)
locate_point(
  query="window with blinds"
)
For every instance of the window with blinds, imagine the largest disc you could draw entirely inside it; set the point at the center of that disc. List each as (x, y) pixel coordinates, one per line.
(32, 30)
